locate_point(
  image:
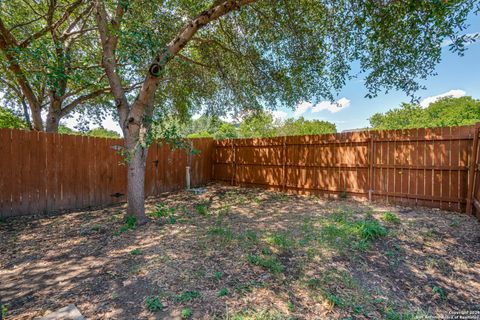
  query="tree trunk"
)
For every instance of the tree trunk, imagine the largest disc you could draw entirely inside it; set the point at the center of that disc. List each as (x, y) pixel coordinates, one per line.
(53, 121)
(137, 156)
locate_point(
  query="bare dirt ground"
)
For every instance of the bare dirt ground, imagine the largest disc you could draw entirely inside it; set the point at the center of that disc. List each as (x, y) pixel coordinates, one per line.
(235, 253)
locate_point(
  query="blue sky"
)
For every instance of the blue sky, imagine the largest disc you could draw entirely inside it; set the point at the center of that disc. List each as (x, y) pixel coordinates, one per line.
(460, 74)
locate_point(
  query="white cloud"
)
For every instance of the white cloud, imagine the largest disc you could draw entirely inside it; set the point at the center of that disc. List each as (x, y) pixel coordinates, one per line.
(279, 115)
(456, 93)
(301, 108)
(331, 106)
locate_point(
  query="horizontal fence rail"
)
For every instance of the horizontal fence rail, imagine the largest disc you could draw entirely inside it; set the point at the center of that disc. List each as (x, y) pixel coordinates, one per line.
(44, 172)
(426, 167)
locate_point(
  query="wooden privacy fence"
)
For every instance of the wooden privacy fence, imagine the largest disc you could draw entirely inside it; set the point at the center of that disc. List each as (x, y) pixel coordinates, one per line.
(427, 167)
(44, 172)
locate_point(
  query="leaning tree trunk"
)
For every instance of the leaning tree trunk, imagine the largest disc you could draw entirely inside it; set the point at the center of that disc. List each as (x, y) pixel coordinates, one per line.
(137, 156)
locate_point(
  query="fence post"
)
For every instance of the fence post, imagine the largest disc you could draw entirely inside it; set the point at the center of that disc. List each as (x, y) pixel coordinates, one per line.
(234, 165)
(472, 171)
(371, 159)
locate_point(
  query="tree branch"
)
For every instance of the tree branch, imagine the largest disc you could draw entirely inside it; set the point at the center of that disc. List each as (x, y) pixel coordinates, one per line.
(50, 25)
(109, 44)
(187, 59)
(146, 95)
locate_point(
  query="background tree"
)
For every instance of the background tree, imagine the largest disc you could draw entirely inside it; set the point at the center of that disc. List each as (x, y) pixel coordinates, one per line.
(103, 133)
(258, 125)
(50, 61)
(300, 127)
(406, 116)
(246, 54)
(9, 120)
(442, 113)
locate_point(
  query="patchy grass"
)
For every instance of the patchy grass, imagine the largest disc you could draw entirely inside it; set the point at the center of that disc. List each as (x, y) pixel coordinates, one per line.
(234, 253)
(270, 263)
(187, 296)
(391, 218)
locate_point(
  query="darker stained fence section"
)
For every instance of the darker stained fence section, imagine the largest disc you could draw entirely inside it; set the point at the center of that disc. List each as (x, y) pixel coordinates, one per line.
(426, 167)
(46, 172)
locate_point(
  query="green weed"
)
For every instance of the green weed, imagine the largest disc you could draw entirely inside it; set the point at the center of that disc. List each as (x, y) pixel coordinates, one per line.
(269, 263)
(224, 233)
(186, 313)
(201, 209)
(391, 218)
(280, 240)
(187, 296)
(129, 224)
(218, 275)
(223, 292)
(165, 212)
(440, 292)
(371, 229)
(136, 252)
(153, 304)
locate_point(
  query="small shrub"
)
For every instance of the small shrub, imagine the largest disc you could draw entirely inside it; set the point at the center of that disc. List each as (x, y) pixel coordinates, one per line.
(4, 311)
(390, 218)
(186, 313)
(223, 292)
(371, 230)
(187, 296)
(136, 252)
(343, 195)
(269, 263)
(153, 304)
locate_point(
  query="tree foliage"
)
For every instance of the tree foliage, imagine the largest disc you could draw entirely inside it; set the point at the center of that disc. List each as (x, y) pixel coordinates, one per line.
(9, 120)
(103, 133)
(300, 127)
(50, 60)
(442, 113)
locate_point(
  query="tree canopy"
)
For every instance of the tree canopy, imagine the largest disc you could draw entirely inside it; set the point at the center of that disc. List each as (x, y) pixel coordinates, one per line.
(9, 120)
(442, 113)
(50, 60)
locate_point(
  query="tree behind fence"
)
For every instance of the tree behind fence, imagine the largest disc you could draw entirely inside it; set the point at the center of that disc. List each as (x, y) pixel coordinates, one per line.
(427, 167)
(45, 172)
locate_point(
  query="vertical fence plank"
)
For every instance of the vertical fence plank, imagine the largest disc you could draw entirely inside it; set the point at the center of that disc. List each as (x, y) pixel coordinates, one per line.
(6, 177)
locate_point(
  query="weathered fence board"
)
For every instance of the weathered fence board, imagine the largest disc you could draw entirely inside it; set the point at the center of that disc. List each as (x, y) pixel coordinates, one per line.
(427, 167)
(45, 172)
